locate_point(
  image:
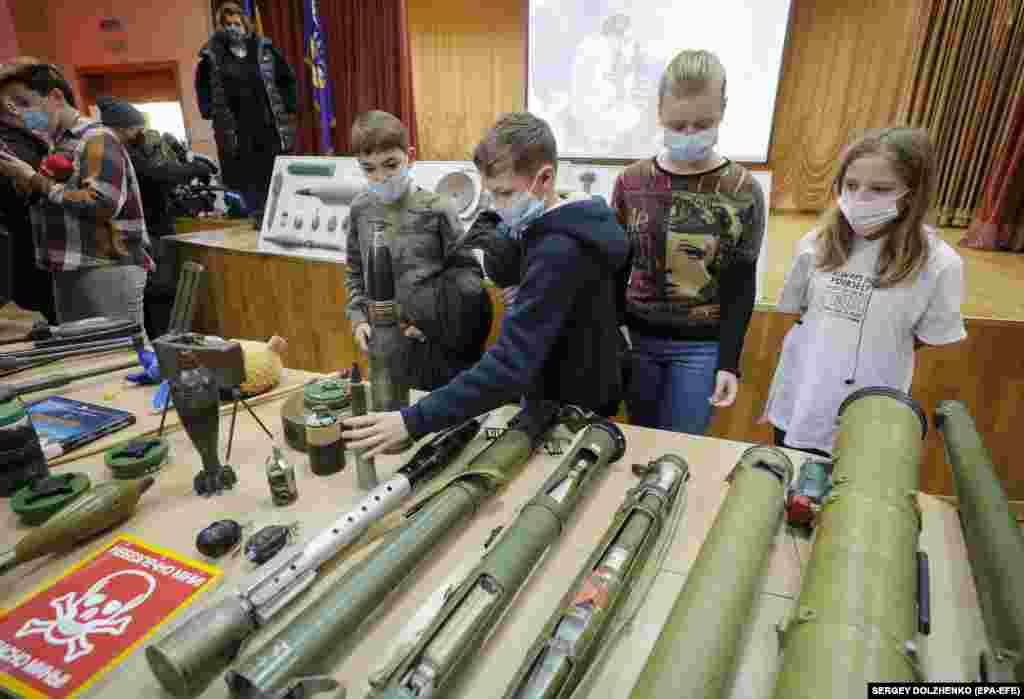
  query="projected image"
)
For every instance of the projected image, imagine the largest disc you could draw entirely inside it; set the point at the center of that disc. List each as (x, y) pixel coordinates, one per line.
(594, 68)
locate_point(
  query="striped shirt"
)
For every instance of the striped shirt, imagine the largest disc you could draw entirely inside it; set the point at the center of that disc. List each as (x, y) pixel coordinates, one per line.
(95, 218)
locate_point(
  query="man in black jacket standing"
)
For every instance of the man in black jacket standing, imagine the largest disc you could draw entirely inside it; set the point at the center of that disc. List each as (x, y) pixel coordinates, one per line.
(31, 288)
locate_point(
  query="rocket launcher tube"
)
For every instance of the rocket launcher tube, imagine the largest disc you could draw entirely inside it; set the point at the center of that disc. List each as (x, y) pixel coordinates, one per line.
(12, 391)
(11, 362)
(103, 507)
(567, 646)
(856, 619)
(695, 654)
(475, 607)
(279, 670)
(995, 543)
(181, 658)
(270, 594)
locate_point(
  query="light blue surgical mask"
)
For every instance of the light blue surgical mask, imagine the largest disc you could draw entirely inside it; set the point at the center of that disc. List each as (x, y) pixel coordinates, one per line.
(392, 189)
(35, 120)
(523, 211)
(687, 148)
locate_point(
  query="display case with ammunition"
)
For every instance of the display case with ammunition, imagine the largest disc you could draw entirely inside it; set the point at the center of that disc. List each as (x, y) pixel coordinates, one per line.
(309, 198)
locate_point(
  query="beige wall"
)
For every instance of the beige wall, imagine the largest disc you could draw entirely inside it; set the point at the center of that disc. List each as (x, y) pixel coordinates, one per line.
(8, 37)
(845, 68)
(153, 32)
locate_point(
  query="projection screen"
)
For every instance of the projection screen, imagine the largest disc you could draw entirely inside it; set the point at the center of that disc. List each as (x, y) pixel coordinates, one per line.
(594, 67)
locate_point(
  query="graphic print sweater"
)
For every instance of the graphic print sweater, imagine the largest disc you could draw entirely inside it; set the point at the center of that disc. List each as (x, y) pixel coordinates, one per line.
(695, 241)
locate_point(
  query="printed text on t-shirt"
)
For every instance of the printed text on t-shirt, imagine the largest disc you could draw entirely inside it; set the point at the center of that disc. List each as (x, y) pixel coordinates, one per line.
(847, 295)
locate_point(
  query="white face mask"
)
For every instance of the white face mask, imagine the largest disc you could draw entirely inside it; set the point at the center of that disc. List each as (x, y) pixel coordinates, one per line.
(522, 211)
(392, 189)
(688, 148)
(867, 217)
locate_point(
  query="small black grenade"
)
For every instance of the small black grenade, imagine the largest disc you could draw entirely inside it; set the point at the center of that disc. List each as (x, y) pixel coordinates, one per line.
(265, 544)
(219, 538)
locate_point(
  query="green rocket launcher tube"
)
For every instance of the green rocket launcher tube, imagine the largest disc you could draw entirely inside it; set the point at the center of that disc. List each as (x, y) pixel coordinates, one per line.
(567, 646)
(280, 669)
(475, 607)
(856, 619)
(695, 655)
(995, 544)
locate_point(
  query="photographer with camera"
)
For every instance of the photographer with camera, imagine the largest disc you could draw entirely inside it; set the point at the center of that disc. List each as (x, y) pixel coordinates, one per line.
(161, 164)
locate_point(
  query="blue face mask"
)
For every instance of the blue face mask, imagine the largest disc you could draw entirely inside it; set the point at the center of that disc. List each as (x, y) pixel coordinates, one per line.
(687, 148)
(35, 120)
(392, 189)
(523, 211)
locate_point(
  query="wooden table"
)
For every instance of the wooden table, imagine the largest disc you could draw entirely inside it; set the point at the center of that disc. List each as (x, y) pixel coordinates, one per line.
(169, 515)
(112, 390)
(15, 323)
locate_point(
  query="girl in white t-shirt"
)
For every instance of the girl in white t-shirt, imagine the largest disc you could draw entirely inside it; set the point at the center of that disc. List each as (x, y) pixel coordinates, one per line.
(871, 284)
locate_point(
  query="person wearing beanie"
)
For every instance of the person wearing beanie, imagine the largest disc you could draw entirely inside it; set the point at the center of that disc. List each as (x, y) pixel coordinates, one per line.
(158, 176)
(89, 230)
(122, 118)
(245, 86)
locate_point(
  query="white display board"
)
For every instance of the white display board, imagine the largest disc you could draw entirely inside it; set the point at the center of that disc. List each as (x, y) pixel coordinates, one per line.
(317, 228)
(345, 172)
(309, 226)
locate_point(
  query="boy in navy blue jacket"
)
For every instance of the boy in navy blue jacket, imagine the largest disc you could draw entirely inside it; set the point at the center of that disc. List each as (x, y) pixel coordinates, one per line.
(559, 339)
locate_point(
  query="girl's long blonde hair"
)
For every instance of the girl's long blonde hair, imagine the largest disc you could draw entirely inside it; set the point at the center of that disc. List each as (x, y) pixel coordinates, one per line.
(905, 250)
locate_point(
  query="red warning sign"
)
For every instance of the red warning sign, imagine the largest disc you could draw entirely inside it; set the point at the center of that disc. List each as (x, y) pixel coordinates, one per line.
(63, 637)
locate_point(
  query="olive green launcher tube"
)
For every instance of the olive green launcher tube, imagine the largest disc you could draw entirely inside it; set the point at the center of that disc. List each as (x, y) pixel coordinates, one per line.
(856, 618)
(474, 608)
(995, 542)
(695, 655)
(285, 662)
(569, 642)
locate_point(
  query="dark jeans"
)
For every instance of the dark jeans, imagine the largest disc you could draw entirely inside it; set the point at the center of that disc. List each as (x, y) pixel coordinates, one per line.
(780, 441)
(670, 384)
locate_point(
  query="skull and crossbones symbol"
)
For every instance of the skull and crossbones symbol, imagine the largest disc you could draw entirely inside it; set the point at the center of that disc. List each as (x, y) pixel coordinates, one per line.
(95, 612)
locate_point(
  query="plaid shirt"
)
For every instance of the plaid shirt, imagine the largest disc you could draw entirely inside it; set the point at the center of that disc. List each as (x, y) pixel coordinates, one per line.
(95, 218)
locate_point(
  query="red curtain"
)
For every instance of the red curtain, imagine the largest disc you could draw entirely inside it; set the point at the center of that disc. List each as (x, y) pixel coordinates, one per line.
(999, 224)
(283, 23)
(369, 61)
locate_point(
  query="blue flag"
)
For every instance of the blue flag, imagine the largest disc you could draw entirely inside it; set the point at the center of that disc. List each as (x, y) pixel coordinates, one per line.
(316, 59)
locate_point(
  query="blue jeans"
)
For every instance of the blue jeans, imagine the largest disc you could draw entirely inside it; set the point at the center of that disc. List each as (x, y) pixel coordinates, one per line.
(671, 384)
